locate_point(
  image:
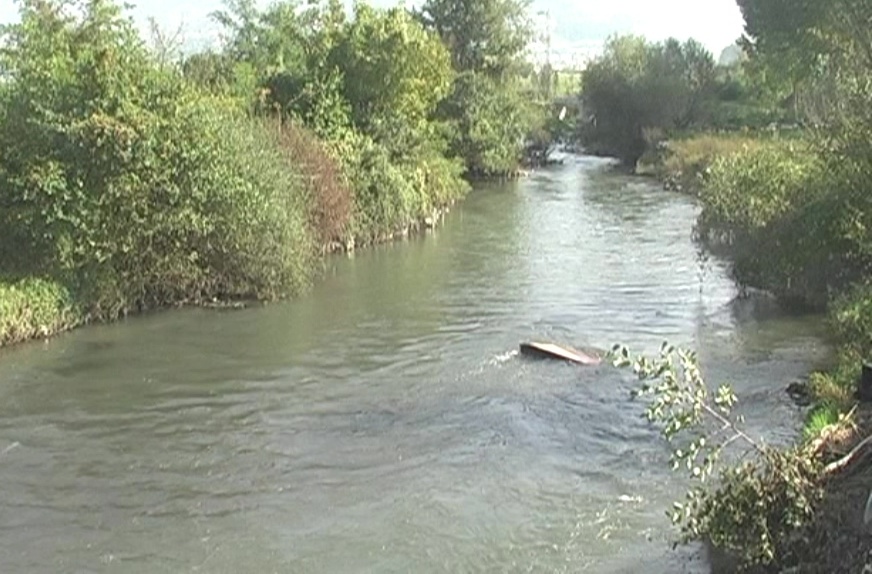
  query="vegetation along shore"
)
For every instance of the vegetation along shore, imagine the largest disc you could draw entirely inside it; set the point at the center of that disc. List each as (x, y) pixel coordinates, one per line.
(135, 176)
(138, 176)
(775, 143)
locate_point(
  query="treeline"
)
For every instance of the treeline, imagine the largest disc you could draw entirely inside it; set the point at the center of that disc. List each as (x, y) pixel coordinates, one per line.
(132, 179)
(637, 93)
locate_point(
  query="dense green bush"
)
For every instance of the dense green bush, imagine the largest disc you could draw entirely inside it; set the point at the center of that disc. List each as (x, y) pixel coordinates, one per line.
(391, 197)
(369, 88)
(32, 308)
(851, 315)
(794, 219)
(683, 162)
(121, 180)
(758, 507)
(136, 183)
(752, 187)
(778, 216)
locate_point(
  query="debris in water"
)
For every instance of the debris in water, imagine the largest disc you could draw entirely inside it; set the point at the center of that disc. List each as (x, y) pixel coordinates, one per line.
(503, 357)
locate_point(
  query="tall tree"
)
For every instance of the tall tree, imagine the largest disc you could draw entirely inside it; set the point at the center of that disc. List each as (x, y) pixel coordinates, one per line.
(821, 49)
(636, 85)
(393, 68)
(801, 31)
(486, 36)
(487, 116)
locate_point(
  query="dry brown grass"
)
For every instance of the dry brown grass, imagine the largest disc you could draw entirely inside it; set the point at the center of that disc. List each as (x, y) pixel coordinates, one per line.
(691, 155)
(330, 196)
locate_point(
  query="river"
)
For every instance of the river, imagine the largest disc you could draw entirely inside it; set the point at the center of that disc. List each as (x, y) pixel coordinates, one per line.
(384, 422)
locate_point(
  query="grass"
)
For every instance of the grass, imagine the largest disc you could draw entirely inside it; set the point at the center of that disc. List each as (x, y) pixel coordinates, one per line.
(682, 160)
(689, 157)
(850, 318)
(820, 418)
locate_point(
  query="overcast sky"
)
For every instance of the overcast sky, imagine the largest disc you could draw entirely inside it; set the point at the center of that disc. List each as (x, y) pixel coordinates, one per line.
(577, 24)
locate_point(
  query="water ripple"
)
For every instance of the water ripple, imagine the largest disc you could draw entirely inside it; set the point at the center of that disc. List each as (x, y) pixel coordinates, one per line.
(386, 422)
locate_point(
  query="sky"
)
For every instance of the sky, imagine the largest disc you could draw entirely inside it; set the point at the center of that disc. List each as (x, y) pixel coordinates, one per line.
(578, 27)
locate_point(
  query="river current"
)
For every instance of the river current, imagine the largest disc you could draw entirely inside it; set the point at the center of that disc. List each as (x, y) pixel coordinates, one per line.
(384, 422)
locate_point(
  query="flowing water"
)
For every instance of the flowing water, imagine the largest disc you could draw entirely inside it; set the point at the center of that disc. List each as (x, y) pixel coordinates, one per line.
(384, 422)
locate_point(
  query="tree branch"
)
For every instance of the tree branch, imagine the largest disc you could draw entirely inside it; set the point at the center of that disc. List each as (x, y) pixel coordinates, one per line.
(850, 458)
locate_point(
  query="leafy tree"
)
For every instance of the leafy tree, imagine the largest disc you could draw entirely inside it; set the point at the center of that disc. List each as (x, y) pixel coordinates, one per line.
(486, 36)
(487, 117)
(637, 86)
(208, 70)
(822, 50)
(802, 32)
(125, 183)
(392, 68)
(368, 86)
(489, 123)
(285, 49)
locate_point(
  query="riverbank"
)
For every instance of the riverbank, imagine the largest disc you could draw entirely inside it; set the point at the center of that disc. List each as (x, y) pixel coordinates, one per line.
(38, 308)
(759, 195)
(838, 541)
(777, 208)
(681, 163)
(152, 184)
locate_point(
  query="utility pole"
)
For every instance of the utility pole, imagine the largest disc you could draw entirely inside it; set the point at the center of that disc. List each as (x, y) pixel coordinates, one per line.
(547, 15)
(548, 38)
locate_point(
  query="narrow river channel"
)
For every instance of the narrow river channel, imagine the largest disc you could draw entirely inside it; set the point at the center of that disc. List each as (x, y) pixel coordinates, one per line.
(383, 422)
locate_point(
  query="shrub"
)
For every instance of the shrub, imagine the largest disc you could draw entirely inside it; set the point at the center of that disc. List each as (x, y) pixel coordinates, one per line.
(686, 160)
(773, 211)
(261, 245)
(31, 308)
(757, 505)
(851, 317)
(383, 198)
(390, 196)
(750, 187)
(132, 187)
(329, 197)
